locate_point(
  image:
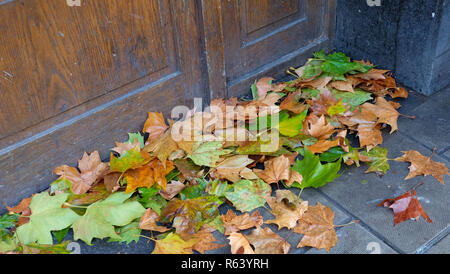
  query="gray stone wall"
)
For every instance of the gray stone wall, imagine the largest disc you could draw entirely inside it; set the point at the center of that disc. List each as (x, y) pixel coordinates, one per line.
(410, 37)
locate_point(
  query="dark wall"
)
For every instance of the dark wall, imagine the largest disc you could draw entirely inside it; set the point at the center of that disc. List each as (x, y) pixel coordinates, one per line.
(410, 37)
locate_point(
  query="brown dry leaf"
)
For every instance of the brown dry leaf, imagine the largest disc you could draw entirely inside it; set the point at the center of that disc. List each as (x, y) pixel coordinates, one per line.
(172, 189)
(406, 207)
(398, 92)
(231, 167)
(373, 74)
(319, 106)
(239, 244)
(266, 241)
(162, 147)
(319, 127)
(111, 181)
(92, 170)
(23, 208)
(323, 145)
(148, 175)
(155, 125)
(205, 241)
(342, 85)
(385, 112)
(234, 223)
(318, 83)
(294, 176)
(317, 226)
(286, 209)
(148, 221)
(422, 165)
(275, 170)
(263, 85)
(293, 105)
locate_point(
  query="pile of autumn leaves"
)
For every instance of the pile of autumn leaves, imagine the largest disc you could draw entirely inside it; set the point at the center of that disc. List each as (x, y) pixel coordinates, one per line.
(174, 187)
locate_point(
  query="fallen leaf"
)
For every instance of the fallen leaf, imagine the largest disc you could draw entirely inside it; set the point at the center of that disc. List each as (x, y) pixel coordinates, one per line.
(234, 223)
(422, 165)
(286, 213)
(155, 125)
(205, 241)
(275, 170)
(406, 207)
(172, 189)
(248, 195)
(174, 244)
(266, 241)
(92, 170)
(148, 221)
(317, 226)
(239, 244)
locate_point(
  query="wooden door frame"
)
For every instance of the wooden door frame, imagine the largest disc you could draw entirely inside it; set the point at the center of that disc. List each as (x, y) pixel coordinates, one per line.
(215, 56)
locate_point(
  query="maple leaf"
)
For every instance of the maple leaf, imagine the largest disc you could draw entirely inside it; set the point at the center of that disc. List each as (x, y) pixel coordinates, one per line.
(148, 221)
(275, 170)
(248, 195)
(317, 226)
(47, 215)
(234, 223)
(131, 159)
(92, 170)
(385, 112)
(354, 99)
(231, 167)
(188, 169)
(174, 244)
(208, 153)
(319, 106)
(319, 127)
(162, 147)
(172, 189)
(422, 165)
(406, 207)
(286, 208)
(94, 194)
(152, 173)
(378, 160)
(313, 172)
(266, 241)
(239, 244)
(189, 215)
(101, 217)
(155, 125)
(342, 85)
(291, 104)
(323, 145)
(134, 140)
(205, 241)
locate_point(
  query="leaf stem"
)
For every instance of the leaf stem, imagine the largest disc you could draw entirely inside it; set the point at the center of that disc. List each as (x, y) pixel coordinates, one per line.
(76, 206)
(352, 222)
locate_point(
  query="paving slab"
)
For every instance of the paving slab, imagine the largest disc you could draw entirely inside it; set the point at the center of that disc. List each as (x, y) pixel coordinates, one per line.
(360, 193)
(447, 154)
(354, 239)
(408, 105)
(432, 124)
(442, 247)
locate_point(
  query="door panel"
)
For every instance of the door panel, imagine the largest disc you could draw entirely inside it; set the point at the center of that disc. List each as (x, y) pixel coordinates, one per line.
(75, 79)
(264, 37)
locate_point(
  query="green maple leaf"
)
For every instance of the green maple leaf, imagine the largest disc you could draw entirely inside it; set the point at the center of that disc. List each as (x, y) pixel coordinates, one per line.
(193, 213)
(314, 173)
(60, 248)
(312, 69)
(133, 158)
(336, 109)
(248, 195)
(7, 221)
(354, 99)
(47, 215)
(128, 233)
(379, 159)
(151, 199)
(337, 64)
(101, 217)
(207, 153)
(291, 126)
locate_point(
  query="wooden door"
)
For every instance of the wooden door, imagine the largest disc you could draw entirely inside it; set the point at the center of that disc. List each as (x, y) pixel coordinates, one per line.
(78, 78)
(247, 39)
